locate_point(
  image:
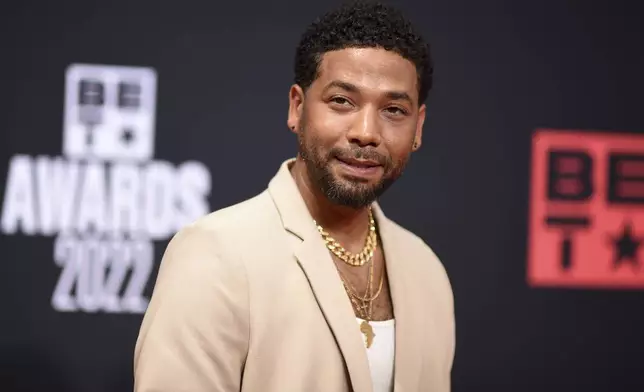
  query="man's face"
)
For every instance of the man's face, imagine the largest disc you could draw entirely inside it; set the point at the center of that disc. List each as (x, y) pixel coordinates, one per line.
(357, 123)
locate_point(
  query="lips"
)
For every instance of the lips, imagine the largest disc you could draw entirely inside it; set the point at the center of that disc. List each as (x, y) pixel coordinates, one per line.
(359, 163)
(360, 170)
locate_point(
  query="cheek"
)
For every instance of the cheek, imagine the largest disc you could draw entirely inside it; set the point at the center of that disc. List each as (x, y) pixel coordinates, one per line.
(332, 125)
(398, 144)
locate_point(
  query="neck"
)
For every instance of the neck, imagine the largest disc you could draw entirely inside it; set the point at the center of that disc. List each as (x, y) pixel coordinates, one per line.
(342, 220)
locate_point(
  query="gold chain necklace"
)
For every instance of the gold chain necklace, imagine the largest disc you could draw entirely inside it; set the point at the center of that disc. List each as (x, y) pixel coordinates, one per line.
(351, 290)
(365, 309)
(364, 305)
(357, 259)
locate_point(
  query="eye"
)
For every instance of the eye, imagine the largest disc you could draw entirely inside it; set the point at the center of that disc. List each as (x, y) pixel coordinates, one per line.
(397, 111)
(340, 101)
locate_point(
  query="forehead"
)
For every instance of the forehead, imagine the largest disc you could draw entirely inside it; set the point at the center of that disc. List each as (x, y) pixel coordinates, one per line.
(369, 69)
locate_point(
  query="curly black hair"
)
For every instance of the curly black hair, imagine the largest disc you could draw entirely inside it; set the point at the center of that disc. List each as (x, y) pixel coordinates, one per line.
(361, 24)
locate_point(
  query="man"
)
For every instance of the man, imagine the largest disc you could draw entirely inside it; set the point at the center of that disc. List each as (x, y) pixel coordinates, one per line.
(308, 286)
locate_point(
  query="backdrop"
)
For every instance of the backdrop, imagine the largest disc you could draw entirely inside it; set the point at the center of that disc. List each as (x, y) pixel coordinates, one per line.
(121, 121)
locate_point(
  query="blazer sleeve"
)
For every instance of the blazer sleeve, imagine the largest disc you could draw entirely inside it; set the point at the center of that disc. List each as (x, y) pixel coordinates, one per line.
(195, 333)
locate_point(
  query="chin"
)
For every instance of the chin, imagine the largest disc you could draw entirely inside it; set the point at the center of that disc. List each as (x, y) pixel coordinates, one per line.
(358, 188)
(361, 184)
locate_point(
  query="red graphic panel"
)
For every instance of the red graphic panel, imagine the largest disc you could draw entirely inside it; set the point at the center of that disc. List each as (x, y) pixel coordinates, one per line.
(586, 226)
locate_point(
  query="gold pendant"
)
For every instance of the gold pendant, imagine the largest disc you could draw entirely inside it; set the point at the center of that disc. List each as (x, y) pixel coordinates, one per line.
(367, 331)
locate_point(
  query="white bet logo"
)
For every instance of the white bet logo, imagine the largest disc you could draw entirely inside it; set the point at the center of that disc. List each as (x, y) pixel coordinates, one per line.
(109, 113)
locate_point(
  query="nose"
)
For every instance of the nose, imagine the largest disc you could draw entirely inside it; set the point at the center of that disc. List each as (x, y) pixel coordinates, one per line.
(365, 130)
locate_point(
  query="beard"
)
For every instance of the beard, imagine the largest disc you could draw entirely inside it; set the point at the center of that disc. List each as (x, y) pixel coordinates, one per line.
(352, 193)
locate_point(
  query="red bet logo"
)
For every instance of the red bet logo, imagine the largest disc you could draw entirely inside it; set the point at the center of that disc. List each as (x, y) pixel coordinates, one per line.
(586, 226)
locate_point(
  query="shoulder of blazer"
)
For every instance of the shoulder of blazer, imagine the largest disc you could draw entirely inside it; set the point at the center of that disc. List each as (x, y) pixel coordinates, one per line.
(239, 217)
(230, 227)
(425, 260)
(413, 242)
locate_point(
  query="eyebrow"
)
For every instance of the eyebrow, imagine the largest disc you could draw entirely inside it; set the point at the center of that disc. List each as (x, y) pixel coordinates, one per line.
(399, 96)
(349, 87)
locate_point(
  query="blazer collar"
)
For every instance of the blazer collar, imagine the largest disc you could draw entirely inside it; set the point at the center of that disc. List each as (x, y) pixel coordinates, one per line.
(317, 264)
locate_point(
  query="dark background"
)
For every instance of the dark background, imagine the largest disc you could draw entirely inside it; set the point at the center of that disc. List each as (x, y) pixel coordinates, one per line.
(503, 69)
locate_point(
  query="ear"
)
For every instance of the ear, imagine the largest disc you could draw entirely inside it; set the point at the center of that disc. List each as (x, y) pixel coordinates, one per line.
(295, 107)
(418, 136)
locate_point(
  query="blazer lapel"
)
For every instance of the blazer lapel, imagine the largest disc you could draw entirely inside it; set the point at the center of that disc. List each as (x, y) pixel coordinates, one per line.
(317, 264)
(406, 303)
(336, 307)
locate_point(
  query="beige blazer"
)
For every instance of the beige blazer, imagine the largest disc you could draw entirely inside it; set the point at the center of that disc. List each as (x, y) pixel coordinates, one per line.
(248, 299)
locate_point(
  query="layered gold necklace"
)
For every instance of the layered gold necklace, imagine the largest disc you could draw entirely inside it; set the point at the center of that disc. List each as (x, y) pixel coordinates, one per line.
(357, 259)
(362, 303)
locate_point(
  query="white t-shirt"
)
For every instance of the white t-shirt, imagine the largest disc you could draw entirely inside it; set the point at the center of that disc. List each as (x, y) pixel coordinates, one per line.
(381, 355)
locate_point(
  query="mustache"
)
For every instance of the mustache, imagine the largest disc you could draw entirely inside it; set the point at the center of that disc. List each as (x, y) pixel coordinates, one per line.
(359, 153)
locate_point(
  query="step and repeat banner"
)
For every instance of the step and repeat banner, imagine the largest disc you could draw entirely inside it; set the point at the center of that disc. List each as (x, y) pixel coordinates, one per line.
(106, 198)
(120, 123)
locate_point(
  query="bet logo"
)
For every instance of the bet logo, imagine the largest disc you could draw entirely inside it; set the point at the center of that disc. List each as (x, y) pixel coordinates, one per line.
(586, 224)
